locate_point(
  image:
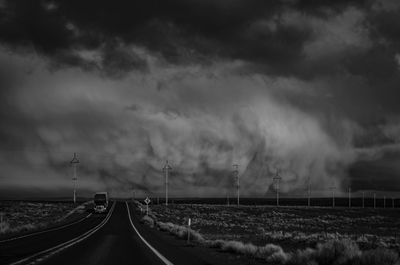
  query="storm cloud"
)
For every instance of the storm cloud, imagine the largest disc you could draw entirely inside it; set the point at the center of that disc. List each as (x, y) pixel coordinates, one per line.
(309, 88)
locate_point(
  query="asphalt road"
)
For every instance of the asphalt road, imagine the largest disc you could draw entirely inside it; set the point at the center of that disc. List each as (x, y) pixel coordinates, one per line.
(121, 240)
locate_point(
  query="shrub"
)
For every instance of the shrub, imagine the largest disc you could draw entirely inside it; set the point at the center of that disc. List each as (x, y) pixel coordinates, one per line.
(270, 252)
(4, 227)
(239, 247)
(336, 252)
(379, 256)
(148, 221)
(302, 257)
(181, 231)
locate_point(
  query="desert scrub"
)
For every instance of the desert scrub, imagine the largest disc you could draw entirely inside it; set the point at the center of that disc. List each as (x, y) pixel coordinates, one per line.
(148, 221)
(181, 231)
(269, 252)
(290, 227)
(20, 217)
(332, 252)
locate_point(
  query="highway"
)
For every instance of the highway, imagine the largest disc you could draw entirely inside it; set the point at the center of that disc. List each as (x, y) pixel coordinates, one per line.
(117, 238)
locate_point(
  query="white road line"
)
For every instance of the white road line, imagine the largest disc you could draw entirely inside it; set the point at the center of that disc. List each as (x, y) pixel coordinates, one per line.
(164, 259)
(45, 231)
(40, 256)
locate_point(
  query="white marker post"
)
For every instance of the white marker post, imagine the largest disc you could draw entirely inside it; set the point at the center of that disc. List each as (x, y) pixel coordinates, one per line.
(188, 231)
(147, 201)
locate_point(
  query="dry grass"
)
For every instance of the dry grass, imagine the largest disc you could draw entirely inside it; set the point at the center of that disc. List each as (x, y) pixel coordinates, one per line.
(181, 231)
(330, 250)
(289, 227)
(21, 217)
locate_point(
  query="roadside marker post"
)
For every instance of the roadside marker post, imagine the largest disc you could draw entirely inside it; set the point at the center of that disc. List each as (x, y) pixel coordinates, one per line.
(147, 201)
(188, 231)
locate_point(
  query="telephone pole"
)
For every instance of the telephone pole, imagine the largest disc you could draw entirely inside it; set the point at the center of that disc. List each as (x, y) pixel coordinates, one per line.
(333, 188)
(384, 201)
(309, 192)
(374, 200)
(133, 192)
(166, 170)
(349, 197)
(74, 163)
(276, 179)
(236, 173)
(363, 198)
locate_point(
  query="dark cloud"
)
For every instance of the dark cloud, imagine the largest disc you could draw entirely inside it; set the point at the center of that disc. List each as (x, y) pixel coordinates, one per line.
(308, 87)
(180, 31)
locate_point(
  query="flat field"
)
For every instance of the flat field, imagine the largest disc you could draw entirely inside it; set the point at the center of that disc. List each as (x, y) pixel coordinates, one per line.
(23, 216)
(290, 227)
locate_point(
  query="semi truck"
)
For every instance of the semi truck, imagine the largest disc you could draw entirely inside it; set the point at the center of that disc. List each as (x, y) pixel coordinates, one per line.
(100, 202)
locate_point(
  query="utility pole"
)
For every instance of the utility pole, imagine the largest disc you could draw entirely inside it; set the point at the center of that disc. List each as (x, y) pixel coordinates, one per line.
(133, 193)
(309, 192)
(166, 169)
(333, 188)
(384, 201)
(74, 162)
(363, 198)
(236, 173)
(349, 197)
(392, 202)
(276, 179)
(374, 200)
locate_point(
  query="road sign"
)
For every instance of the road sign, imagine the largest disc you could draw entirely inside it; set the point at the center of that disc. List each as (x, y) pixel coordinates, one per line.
(147, 201)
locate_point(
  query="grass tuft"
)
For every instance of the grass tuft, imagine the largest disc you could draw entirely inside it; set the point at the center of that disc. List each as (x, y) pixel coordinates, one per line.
(380, 256)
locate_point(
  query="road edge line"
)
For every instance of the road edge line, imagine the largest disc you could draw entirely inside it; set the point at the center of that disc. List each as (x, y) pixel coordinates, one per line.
(158, 254)
(65, 245)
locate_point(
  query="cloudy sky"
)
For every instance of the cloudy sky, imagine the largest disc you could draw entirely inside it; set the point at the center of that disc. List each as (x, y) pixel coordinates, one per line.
(310, 88)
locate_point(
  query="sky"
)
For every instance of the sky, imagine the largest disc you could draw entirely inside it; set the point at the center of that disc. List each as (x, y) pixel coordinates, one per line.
(309, 89)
